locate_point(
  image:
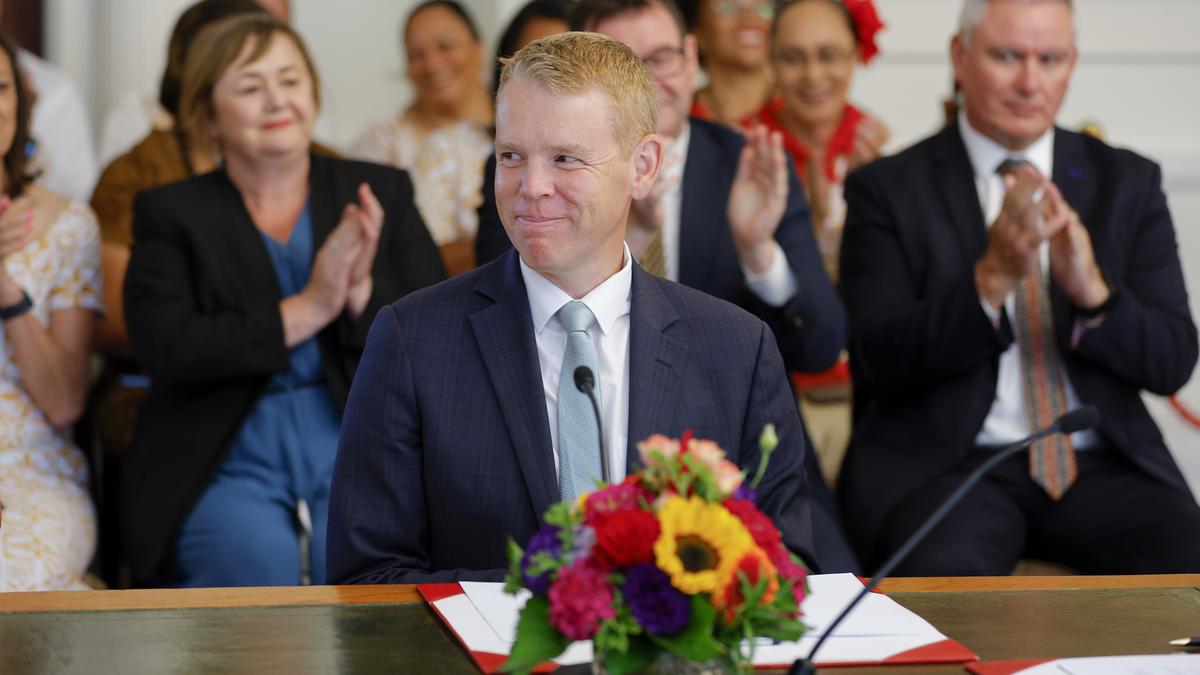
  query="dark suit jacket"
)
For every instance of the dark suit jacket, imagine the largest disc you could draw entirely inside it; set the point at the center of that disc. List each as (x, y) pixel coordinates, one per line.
(925, 356)
(810, 328)
(202, 306)
(446, 451)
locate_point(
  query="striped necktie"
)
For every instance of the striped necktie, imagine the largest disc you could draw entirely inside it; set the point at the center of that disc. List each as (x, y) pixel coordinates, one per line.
(1051, 460)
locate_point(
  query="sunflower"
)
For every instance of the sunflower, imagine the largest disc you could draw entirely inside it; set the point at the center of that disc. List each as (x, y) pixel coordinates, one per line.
(700, 543)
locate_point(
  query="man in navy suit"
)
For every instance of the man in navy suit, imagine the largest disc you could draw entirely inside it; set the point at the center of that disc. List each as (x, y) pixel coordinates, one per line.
(457, 434)
(997, 274)
(697, 225)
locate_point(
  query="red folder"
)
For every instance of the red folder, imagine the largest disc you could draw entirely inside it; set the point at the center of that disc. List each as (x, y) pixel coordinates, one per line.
(945, 651)
(1003, 667)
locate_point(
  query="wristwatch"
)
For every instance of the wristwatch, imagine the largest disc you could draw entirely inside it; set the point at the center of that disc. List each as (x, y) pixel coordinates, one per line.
(13, 311)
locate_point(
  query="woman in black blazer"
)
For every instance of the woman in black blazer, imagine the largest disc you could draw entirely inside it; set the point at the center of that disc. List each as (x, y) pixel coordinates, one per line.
(248, 298)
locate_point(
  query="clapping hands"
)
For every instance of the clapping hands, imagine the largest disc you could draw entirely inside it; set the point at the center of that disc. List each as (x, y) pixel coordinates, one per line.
(341, 276)
(1035, 212)
(758, 198)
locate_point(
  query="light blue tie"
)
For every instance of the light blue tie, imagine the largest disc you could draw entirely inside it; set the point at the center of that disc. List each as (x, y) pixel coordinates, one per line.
(578, 445)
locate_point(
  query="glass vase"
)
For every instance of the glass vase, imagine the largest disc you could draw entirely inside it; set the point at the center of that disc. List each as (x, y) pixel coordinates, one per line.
(668, 663)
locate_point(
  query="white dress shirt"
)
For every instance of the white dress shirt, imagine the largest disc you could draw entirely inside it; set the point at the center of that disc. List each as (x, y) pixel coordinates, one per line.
(775, 286)
(1008, 420)
(609, 302)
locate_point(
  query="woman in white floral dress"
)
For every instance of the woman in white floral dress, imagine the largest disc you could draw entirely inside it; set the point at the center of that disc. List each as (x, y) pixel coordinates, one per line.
(442, 139)
(49, 301)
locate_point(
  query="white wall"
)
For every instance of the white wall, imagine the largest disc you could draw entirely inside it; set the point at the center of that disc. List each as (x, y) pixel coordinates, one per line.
(1138, 77)
(115, 48)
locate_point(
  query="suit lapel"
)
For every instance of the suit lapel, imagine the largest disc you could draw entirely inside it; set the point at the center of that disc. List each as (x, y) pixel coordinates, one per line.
(1078, 187)
(240, 244)
(962, 198)
(655, 363)
(703, 208)
(324, 201)
(504, 333)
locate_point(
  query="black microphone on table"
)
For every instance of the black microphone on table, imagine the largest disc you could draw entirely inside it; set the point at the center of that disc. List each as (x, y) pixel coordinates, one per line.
(1079, 419)
(585, 381)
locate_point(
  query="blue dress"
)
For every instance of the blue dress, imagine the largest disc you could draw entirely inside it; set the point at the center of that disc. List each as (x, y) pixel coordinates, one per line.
(246, 528)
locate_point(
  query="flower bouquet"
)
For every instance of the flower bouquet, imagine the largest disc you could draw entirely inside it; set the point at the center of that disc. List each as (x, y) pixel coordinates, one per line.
(675, 562)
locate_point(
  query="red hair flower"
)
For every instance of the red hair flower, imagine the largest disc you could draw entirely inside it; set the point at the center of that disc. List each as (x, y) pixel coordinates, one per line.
(867, 24)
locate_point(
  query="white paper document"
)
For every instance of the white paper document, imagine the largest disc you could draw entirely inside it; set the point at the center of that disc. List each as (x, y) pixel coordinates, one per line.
(485, 619)
(1157, 664)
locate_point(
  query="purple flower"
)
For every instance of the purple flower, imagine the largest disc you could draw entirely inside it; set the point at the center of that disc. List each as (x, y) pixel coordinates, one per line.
(582, 542)
(654, 602)
(745, 492)
(546, 540)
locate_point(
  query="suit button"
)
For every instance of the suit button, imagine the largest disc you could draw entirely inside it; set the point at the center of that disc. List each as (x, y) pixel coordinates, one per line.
(797, 322)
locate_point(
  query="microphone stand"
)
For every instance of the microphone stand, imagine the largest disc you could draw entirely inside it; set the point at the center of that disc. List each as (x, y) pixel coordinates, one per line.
(1071, 422)
(585, 382)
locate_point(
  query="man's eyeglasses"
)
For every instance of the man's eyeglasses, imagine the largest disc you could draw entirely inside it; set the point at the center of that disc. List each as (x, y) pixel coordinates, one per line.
(763, 8)
(664, 62)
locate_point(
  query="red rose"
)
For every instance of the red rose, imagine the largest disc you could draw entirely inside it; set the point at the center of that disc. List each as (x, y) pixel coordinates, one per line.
(762, 528)
(625, 537)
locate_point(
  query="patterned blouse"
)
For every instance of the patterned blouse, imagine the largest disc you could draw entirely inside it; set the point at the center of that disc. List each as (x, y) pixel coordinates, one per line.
(446, 166)
(48, 533)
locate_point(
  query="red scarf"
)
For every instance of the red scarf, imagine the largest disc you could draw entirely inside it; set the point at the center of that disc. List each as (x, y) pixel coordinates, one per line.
(839, 145)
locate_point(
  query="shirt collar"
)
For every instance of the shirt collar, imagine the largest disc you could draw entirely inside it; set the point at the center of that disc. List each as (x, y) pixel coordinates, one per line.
(986, 154)
(609, 301)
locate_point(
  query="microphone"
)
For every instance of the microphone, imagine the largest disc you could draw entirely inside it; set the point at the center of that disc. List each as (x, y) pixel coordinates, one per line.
(1075, 420)
(585, 382)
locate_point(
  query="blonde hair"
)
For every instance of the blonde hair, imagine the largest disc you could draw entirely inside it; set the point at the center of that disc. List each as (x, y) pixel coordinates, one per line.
(576, 63)
(214, 51)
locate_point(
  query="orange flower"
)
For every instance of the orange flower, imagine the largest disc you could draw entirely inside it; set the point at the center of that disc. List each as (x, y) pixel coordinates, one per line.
(753, 566)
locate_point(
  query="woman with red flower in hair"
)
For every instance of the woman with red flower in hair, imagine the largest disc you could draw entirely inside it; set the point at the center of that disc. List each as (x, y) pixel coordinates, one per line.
(814, 47)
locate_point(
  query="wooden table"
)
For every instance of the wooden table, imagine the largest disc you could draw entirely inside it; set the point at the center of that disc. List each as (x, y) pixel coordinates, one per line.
(388, 629)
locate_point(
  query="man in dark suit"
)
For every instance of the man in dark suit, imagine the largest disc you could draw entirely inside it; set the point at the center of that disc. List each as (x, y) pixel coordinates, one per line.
(464, 425)
(996, 275)
(698, 226)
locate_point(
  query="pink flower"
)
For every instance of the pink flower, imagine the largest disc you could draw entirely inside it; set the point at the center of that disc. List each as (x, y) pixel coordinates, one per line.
(729, 477)
(620, 497)
(794, 573)
(667, 450)
(579, 600)
(708, 452)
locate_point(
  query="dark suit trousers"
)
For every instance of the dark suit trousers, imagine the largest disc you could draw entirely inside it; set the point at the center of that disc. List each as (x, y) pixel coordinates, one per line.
(832, 548)
(1114, 520)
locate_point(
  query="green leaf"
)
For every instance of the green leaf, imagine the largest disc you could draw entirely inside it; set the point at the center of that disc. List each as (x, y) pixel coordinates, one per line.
(639, 656)
(537, 640)
(696, 642)
(563, 515)
(783, 630)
